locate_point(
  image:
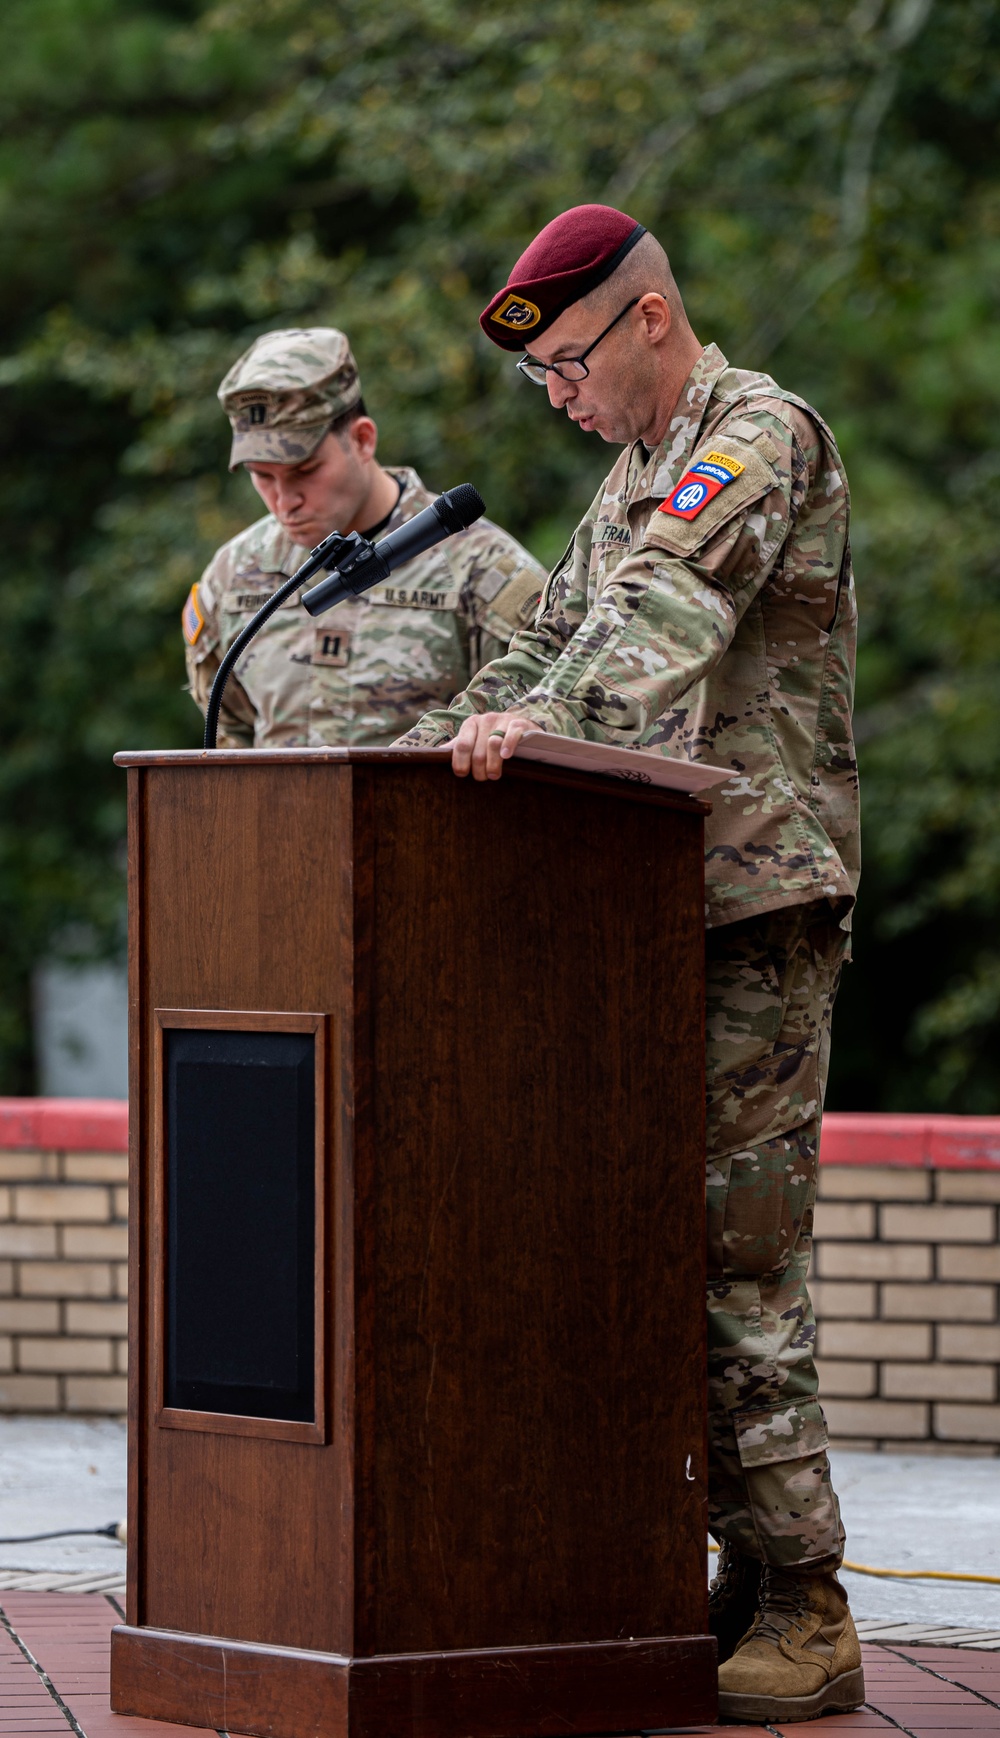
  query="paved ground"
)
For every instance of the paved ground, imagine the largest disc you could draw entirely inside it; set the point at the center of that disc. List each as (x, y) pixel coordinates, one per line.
(902, 1512)
(54, 1681)
(54, 1667)
(62, 1472)
(922, 1512)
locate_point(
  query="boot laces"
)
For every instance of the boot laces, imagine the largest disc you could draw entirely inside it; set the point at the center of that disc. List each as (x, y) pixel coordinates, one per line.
(784, 1599)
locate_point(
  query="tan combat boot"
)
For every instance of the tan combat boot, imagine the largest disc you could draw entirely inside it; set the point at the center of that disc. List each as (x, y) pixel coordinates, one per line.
(801, 1658)
(733, 1598)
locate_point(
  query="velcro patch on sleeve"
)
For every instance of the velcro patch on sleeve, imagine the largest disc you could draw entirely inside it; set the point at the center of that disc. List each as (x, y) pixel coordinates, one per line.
(517, 602)
(192, 620)
(761, 439)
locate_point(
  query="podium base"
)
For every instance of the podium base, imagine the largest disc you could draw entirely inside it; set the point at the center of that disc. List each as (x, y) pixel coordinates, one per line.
(275, 1692)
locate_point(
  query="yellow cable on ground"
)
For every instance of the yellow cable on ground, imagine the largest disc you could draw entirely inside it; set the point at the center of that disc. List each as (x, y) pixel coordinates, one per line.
(913, 1574)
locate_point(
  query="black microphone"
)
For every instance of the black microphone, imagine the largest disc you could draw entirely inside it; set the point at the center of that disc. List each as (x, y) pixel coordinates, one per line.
(361, 564)
(353, 564)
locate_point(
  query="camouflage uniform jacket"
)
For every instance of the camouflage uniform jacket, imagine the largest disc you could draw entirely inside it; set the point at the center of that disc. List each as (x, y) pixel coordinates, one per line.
(727, 637)
(370, 666)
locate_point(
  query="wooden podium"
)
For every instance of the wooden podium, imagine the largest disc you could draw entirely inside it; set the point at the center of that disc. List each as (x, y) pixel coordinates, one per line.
(417, 1283)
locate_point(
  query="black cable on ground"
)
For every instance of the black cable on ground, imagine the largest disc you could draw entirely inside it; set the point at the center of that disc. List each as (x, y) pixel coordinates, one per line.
(113, 1530)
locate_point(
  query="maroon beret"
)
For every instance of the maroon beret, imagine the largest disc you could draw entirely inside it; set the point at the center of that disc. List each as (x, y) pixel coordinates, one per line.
(569, 258)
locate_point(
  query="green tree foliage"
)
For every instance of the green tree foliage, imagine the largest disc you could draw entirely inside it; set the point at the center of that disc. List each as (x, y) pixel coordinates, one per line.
(177, 178)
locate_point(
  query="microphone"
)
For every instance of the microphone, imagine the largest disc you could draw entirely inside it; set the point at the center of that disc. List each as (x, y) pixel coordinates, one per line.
(360, 564)
(352, 564)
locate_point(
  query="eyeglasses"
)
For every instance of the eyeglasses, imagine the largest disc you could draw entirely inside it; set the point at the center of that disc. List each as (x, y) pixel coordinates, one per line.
(570, 367)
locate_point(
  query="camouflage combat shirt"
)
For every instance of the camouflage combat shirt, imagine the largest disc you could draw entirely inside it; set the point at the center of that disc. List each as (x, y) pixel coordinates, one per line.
(367, 668)
(728, 636)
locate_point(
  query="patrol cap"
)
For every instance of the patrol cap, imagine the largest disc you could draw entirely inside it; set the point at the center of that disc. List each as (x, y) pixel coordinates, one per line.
(284, 392)
(567, 259)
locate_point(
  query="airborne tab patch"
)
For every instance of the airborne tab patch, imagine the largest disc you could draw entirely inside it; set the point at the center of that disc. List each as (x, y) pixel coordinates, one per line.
(700, 484)
(192, 619)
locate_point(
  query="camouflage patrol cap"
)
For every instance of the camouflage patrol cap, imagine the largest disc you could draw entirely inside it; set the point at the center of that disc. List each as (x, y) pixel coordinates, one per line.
(283, 393)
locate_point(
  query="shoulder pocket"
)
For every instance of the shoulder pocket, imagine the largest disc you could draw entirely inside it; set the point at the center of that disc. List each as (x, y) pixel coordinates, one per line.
(690, 523)
(515, 605)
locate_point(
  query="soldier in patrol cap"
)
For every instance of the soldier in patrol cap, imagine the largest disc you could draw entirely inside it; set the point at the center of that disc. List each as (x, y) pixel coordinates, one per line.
(370, 666)
(705, 610)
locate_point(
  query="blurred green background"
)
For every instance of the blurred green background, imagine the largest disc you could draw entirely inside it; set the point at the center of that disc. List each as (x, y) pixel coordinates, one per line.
(178, 177)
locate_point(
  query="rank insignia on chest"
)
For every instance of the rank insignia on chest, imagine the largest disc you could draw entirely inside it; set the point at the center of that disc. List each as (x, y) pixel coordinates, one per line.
(192, 619)
(332, 648)
(701, 484)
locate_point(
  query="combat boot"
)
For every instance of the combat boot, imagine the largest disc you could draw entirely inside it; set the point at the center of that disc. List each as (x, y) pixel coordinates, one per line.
(733, 1598)
(802, 1656)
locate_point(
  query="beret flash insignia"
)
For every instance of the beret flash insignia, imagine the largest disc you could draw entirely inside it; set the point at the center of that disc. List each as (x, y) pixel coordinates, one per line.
(517, 314)
(567, 259)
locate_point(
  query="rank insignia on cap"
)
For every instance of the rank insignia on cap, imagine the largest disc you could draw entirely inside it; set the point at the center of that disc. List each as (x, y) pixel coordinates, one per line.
(192, 619)
(517, 314)
(701, 484)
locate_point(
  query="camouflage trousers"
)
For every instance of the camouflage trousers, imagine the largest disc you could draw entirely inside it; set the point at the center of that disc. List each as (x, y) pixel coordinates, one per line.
(771, 983)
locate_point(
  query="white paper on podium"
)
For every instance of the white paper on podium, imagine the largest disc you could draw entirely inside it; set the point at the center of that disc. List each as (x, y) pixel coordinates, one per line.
(635, 765)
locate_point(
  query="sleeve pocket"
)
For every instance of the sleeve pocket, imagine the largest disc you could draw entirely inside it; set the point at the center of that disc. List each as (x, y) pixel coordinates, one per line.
(687, 536)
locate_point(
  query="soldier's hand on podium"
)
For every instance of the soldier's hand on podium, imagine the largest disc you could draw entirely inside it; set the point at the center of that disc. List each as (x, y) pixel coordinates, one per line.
(486, 741)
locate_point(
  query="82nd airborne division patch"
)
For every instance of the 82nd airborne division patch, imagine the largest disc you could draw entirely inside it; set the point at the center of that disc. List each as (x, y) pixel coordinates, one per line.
(700, 484)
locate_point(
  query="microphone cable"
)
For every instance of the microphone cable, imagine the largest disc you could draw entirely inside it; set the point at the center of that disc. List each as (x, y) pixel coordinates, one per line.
(111, 1530)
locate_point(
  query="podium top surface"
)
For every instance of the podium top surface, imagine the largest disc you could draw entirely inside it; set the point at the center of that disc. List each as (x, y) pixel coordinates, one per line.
(630, 772)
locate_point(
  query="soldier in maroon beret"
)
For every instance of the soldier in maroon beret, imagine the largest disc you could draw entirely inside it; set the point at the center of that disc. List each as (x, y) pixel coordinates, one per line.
(705, 610)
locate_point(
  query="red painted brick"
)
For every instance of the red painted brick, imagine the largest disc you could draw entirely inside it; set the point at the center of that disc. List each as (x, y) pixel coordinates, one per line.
(77, 1124)
(69, 1635)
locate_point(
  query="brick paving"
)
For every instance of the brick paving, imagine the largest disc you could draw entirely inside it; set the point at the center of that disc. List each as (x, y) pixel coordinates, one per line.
(68, 1636)
(925, 1692)
(54, 1680)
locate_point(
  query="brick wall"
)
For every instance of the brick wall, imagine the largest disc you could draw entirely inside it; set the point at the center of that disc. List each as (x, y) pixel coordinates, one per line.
(906, 1272)
(63, 1248)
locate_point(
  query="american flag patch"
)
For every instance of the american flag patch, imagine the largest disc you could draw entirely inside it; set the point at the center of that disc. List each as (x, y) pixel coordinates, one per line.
(192, 619)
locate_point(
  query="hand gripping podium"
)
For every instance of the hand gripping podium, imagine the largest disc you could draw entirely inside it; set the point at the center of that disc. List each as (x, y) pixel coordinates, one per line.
(417, 1273)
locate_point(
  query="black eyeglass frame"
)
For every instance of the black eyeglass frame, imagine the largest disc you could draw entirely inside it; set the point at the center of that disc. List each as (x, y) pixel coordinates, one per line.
(527, 361)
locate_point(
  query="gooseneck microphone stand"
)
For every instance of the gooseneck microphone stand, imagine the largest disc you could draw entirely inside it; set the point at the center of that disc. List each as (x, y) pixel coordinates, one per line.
(353, 564)
(324, 555)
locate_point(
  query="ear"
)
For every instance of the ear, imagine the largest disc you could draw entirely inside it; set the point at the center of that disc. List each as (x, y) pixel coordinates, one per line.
(363, 436)
(654, 312)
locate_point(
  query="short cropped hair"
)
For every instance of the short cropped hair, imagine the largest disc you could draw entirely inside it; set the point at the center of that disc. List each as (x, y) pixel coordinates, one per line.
(343, 422)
